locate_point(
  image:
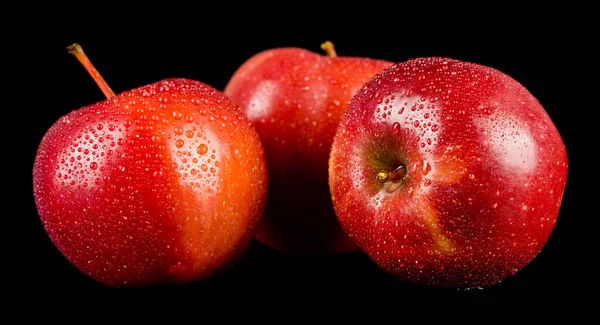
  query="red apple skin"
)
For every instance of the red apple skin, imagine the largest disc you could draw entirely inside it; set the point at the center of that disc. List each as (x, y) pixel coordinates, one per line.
(295, 99)
(486, 169)
(162, 184)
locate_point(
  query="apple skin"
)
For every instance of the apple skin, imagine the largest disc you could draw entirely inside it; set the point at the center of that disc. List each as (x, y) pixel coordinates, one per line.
(295, 99)
(485, 173)
(163, 184)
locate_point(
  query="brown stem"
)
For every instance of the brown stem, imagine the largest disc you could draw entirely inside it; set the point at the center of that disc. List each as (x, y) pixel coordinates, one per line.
(77, 51)
(398, 173)
(329, 49)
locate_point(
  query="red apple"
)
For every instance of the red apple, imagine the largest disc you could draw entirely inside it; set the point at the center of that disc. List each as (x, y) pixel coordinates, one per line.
(165, 183)
(447, 173)
(295, 99)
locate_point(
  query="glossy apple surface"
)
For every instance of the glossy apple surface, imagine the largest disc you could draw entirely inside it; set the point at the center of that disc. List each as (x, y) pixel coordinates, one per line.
(295, 99)
(447, 173)
(165, 183)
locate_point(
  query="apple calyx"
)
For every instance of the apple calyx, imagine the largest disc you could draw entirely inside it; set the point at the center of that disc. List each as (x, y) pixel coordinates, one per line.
(77, 51)
(329, 49)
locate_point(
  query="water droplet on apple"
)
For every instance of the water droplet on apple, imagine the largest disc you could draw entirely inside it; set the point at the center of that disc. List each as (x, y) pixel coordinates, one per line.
(435, 127)
(426, 167)
(189, 133)
(203, 167)
(179, 143)
(94, 165)
(202, 149)
(178, 130)
(396, 128)
(99, 126)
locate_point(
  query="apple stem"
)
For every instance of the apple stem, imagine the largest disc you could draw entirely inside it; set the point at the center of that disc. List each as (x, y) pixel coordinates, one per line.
(77, 51)
(329, 49)
(398, 173)
(394, 179)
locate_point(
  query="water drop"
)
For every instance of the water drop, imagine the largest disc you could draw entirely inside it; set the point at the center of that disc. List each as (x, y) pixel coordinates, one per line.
(204, 167)
(94, 165)
(178, 130)
(426, 167)
(202, 149)
(189, 133)
(435, 127)
(177, 115)
(179, 143)
(396, 128)
(99, 126)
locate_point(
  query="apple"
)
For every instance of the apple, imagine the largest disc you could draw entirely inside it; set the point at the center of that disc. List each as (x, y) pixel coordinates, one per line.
(447, 173)
(162, 184)
(295, 99)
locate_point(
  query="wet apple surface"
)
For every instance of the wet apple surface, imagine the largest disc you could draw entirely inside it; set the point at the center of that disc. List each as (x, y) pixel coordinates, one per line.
(447, 173)
(295, 99)
(165, 183)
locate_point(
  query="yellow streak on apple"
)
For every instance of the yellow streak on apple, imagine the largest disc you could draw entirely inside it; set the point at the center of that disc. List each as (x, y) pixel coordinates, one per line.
(443, 244)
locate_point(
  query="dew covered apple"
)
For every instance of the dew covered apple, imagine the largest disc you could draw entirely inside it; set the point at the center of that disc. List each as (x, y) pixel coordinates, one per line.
(447, 173)
(164, 183)
(295, 99)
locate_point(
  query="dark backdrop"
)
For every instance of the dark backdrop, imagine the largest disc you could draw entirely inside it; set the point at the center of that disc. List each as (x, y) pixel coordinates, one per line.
(142, 51)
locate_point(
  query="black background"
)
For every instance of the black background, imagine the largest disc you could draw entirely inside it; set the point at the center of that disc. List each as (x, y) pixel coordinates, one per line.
(209, 46)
